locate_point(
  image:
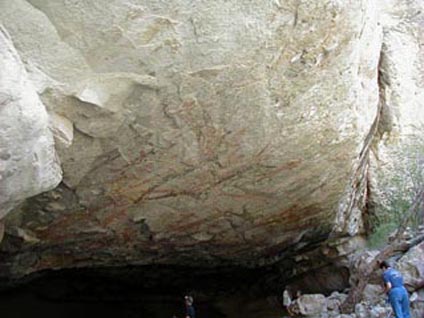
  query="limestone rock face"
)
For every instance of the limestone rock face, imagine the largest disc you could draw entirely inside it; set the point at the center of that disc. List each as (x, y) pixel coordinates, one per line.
(200, 131)
(28, 161)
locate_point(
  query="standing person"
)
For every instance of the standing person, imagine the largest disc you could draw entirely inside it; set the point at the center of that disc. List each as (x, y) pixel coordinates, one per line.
(287, 300)
(393, 287)
(190, 313)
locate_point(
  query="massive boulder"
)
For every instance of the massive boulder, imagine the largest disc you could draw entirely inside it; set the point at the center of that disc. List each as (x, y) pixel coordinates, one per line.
(207, 132)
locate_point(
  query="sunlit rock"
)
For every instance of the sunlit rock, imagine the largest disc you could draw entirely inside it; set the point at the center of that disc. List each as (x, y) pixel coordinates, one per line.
(208, 132)
(28, 160)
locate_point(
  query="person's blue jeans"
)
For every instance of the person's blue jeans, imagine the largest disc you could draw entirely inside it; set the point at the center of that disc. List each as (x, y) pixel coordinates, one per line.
(398, 297)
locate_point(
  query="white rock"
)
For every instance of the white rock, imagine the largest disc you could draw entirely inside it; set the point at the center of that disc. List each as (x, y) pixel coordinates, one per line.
(312, 304)
(28, 161)
(62, 128)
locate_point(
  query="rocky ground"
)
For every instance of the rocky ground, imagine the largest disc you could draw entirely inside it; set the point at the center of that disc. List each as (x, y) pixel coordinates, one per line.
(374, 303)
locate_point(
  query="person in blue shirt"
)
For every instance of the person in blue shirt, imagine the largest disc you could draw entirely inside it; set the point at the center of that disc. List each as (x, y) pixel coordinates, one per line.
(393, 287)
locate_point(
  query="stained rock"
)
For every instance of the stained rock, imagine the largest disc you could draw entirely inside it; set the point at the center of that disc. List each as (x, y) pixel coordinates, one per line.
(245, 128)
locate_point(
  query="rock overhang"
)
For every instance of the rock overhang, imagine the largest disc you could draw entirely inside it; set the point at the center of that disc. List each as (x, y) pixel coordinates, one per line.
(215, 132)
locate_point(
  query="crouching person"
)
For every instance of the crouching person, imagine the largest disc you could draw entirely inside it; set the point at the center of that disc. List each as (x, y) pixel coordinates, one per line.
(395, 290)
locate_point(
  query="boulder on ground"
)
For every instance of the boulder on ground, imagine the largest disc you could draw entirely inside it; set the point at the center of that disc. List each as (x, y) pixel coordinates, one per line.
(311, 305)
(372, 293)
(411, 265)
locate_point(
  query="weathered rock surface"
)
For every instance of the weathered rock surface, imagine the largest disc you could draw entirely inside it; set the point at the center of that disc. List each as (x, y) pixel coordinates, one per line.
(412, 265)
(28, 160)
(312, 305)
(211, 132)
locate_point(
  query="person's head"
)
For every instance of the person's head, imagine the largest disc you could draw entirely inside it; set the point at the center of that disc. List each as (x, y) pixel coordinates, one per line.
(384, 265)
(189, 300)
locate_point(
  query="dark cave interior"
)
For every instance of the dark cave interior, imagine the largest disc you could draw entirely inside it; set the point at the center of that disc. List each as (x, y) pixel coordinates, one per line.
(159, 290)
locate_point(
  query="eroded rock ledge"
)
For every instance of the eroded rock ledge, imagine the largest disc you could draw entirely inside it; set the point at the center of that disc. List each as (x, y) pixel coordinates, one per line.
(214, 132)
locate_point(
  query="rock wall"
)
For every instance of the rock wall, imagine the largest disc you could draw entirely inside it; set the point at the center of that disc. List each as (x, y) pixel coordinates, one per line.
(208, 131)
(28, 160)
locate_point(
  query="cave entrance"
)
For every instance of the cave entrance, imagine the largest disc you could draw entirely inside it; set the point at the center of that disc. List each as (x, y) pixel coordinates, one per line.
(146, 291)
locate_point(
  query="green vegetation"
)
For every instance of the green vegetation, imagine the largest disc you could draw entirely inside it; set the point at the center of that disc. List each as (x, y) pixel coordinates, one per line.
(399, 183)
